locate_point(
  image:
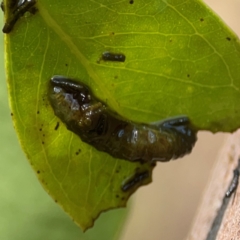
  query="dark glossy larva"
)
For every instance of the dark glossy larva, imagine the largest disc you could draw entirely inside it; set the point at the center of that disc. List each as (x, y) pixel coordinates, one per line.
(99, 126)
(115, 57)
(138, 178)
(16, 10)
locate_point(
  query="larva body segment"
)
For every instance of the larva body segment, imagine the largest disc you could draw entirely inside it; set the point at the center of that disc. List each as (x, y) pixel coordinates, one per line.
(99, 126)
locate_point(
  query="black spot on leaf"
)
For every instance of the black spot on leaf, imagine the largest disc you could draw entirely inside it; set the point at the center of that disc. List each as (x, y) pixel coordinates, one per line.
(78, 151)
(57, 126)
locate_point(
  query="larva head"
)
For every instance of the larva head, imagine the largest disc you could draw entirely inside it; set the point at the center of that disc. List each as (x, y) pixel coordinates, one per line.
(69, 99)
(78, 90)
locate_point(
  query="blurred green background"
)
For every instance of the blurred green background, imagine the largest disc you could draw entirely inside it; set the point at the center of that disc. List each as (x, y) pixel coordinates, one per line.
(26, 210)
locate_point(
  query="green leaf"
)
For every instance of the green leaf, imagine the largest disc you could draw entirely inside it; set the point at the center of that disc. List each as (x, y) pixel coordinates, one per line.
(26, 210)
(180, 60)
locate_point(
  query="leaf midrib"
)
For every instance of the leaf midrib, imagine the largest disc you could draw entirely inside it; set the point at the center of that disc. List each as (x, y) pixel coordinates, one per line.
(75, 51)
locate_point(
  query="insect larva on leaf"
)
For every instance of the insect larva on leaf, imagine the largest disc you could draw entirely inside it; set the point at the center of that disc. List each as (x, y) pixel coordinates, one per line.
(2, 7)
(137, 179)
(16, 10)
(115, 57)
(96, 124)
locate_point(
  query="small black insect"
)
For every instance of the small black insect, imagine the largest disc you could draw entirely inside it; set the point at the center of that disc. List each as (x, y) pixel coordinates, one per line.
(116, 57)
(99, 126)
(137, 178)
(234, 184)
(2, 7)
(17, 10)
